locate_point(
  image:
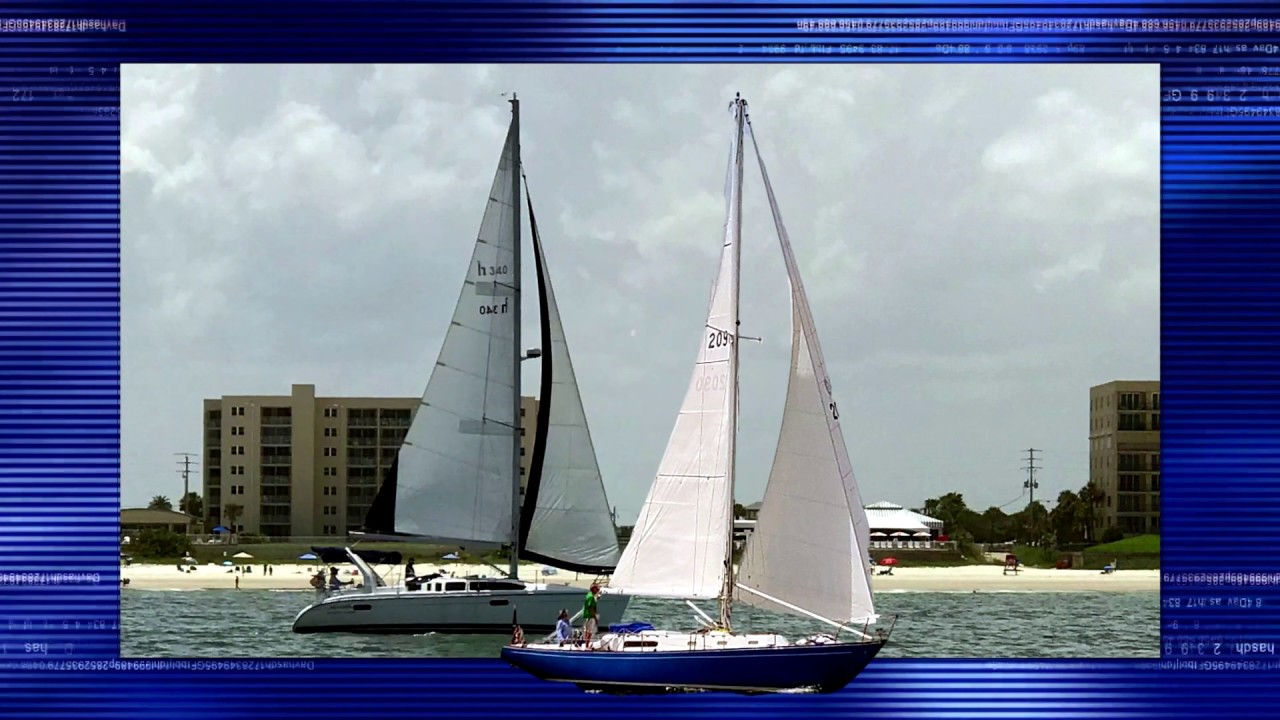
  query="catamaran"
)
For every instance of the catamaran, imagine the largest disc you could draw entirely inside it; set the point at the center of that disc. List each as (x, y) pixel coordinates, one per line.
(806, 557)
(456, 479)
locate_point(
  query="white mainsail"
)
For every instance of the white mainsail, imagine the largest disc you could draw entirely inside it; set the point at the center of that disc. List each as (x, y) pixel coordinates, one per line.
(809, 547)
(570, 524)
(680, 542)
(455, 467)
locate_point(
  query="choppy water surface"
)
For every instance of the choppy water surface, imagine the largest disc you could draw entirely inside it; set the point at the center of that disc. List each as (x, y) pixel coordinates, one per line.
(256, 623)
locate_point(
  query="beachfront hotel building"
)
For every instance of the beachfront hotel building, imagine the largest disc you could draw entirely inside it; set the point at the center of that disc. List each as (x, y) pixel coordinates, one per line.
(304, 466)
(1124, 454)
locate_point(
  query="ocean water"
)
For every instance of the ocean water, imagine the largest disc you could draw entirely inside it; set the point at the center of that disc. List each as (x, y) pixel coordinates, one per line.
(207, 624)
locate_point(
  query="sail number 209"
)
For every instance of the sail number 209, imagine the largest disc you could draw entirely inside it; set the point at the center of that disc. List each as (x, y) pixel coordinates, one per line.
(718, 338)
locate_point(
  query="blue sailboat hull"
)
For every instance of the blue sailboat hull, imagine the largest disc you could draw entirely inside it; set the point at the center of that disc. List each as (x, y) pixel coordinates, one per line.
(824, 668)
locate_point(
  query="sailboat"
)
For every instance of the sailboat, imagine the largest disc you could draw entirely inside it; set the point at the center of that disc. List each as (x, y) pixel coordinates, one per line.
(806, 557)
(456, 480)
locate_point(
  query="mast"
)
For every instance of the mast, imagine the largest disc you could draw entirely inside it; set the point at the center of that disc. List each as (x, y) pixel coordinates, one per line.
(514, 564)
(735, 217)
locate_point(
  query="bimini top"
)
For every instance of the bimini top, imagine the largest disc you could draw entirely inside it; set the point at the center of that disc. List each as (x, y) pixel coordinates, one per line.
(339, 555)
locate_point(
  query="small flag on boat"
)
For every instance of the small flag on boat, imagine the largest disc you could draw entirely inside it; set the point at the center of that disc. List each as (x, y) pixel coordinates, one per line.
(517, 634)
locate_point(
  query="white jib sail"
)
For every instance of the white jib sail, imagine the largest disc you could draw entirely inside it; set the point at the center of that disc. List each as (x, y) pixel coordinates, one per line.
(809, 546)
(571, 520)
(455, 469)
(682, 537)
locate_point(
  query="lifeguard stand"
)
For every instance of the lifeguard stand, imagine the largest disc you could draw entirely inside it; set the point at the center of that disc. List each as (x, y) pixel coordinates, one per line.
(1010, 564)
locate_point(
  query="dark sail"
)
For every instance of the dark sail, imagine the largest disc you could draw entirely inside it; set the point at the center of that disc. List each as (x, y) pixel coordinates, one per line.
(381, 518)
(536, 464)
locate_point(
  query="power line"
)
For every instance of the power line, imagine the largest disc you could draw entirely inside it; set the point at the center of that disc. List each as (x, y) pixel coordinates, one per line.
(185, 470)
(1030, 484)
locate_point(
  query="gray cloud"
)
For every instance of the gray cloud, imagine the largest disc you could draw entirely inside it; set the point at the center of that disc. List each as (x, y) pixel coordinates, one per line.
(980, 244)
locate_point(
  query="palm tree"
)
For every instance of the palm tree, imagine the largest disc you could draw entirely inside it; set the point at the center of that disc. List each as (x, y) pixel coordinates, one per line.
(1066, 517)
(230, 513)
(160, 502)
(1091, 498)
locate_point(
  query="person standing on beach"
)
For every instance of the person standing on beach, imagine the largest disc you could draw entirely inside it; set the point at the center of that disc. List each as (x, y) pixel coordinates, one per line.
(590, 614)
(237, 582)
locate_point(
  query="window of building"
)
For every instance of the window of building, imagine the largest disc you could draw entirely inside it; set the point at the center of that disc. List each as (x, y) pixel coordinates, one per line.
(521, 451)
(521, 471)
(1155, 482)
(1155, 421)
(1133, 421)
(1130, 483)
(1155, 462)
(521, 412)
(330, 452)
(1155, 401)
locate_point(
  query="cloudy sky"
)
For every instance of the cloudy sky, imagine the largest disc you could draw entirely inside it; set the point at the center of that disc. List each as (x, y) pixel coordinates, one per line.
(980, 245)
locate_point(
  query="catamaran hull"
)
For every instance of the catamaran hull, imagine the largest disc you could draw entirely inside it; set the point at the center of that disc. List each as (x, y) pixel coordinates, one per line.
(824, 668)
(421, 612)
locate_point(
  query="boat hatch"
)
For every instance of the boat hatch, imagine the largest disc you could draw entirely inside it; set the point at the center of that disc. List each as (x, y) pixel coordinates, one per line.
(640, 644)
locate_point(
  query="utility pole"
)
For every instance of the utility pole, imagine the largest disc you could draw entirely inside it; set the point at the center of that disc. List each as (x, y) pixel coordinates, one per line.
(1030, 484)
(185, 470)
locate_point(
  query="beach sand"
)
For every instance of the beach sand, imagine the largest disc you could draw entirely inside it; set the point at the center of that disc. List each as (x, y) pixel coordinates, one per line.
(966, 578)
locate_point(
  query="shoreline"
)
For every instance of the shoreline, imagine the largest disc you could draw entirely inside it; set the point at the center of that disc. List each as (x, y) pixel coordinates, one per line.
(954, 579)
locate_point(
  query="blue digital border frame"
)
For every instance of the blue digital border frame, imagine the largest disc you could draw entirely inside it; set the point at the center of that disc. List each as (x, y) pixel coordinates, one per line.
(60, 341)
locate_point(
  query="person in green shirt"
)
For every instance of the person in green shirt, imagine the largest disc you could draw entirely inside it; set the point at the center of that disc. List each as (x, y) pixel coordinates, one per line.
(590, 614)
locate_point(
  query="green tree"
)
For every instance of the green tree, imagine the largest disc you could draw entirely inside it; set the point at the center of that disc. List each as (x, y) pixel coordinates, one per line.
(191, 504)
(993, 526)
(160, 543)
(1067, 520)
(160, 502)
(951, 510)
(1091, 498)
(1031, 525)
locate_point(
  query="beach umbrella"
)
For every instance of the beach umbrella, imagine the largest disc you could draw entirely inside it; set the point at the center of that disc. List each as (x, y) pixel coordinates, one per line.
(922, 533)
(899, 534)
(243, 556)
(220, 529)
(889, 561)
(878, 534)
(227, 563)
(451, 556)
(307, 556)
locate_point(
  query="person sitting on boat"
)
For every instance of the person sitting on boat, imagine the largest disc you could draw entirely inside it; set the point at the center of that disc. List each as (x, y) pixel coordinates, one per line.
(335, 582)
(589, 614)
(408, 570)
(564, 630)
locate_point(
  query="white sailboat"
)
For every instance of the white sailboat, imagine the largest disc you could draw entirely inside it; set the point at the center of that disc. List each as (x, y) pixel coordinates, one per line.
(456, 479)
(807, 556)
